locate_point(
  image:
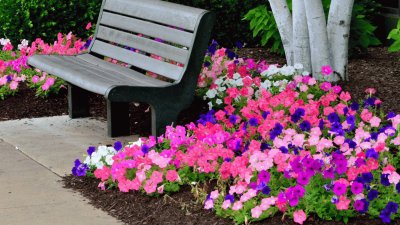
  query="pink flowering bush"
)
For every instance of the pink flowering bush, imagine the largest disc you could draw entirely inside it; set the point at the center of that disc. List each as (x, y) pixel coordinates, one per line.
(14, 68)
(306, 149)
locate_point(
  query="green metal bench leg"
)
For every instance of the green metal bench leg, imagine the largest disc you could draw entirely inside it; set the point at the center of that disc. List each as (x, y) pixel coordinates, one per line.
(161, 118)
(78, 102)
(118, 119)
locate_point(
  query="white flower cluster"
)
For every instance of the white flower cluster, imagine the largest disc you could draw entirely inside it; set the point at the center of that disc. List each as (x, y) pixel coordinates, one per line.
(4, 41)
(274, 78)
(102, 156)
(24, 43)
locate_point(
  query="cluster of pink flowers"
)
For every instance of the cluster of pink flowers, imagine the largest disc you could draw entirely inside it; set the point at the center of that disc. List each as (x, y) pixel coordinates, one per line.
(275, 153)
(13, 69)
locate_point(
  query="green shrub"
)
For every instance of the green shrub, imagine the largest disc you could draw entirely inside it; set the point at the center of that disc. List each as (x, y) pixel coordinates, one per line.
(395, 36)
(229, 26)
(362, 34)
(30, 19)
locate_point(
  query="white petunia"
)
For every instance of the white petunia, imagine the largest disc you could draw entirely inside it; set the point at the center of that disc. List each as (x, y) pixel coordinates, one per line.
(306, 73)
(239, 82)
(236, 76)
(218, 81)
(95, 158)
(102, 150)
(99, 165)
(210, 105)
(221, 89)
(211, 93)
(109, 160)
(87, 160)
(138, 143)
(266, 84)
(218, 102)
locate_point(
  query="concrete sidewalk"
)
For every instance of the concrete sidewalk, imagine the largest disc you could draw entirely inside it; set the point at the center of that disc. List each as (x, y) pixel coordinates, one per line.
(34, 154)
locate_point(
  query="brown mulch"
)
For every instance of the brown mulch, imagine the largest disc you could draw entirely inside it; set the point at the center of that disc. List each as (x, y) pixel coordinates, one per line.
(376, 68)
(179, 208)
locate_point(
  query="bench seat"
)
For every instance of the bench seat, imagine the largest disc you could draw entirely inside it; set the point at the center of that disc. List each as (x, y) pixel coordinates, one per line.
(93, 74)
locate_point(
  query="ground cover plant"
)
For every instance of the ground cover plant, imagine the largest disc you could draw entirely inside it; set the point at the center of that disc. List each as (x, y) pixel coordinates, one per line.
(301, 147)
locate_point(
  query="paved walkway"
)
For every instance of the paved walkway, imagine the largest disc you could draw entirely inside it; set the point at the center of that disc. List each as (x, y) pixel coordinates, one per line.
(34, 154)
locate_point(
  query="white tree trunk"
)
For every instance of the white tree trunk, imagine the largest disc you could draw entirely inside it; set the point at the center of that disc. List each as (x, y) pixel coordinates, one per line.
(283, 20)
(318, 36)
(301, 40)
(338, 29)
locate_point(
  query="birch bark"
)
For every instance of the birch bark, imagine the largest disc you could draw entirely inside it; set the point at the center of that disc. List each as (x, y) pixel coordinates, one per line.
(283, 20)
(319, 45)
(301, 40)
(338, 29)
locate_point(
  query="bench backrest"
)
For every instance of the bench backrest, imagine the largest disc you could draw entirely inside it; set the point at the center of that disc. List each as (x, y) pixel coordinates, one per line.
(154, 28)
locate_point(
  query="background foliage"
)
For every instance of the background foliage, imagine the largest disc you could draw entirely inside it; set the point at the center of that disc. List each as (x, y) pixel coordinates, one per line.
(30, 19)
(263, 25)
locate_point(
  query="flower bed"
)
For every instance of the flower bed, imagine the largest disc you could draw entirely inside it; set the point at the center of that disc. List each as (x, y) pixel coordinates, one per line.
(300, 147)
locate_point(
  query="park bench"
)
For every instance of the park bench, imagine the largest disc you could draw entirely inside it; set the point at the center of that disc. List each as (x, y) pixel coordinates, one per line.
(139, 24)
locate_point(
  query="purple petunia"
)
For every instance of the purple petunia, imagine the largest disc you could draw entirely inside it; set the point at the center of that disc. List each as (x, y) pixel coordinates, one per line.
(357, 188)
(253, 122)
(303, 178)
(372, 194)
(90, 150)
(385, 180)
(80, 169)
(117, 146)
(339, 189)
(398, 187)
(305, 126)
(264, 176)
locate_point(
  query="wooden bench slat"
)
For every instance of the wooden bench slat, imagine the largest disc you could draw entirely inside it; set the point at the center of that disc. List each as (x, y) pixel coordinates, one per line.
(139, 60)
(158, 11)
(143, 44)
(147, 28)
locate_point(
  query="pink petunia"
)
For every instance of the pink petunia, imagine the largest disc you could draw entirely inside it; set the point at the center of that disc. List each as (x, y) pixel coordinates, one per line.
(343, 203)
(88, 26)
(326, 70)
(172, 175)
(13, 85)
(256, 212)
(375, 121)
(299, 216)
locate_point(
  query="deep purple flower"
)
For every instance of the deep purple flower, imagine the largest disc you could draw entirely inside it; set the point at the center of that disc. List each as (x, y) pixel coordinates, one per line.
(212, 48)
(333, 118)
(357, 187)
(345, 110)
(305, 126)
(80, 169)
(264, 146)
(253, 122)
(369, 102)
(90, 150)
(371, 153)
(339, 189)
(350, 119)
(232, 119)
(266, 190)
(276, 131)
(117, 146)
(385, 180)
(145, 149)
(231, 55)
(385, 216)
(265, 114)
(321, 124)
(367, 177)
(336, 128)
(230, 198)
(327, 187)
(264, 176)
(284, 149)
(303, 178)
(355, 106)
(372, 194)
(392, 207)
(207, 64)
(9, 78)
(391, 115)
(296, 116)
(398, 187)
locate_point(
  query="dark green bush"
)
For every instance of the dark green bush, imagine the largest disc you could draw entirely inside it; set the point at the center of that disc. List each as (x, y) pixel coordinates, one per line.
(263, 25)
(30, 19)
(229, 26)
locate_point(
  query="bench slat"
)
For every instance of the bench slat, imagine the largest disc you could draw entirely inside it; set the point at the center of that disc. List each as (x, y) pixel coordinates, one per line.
(147, 28)
(157, 11)
(139, 60)
(144, 44)
(123, 71)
